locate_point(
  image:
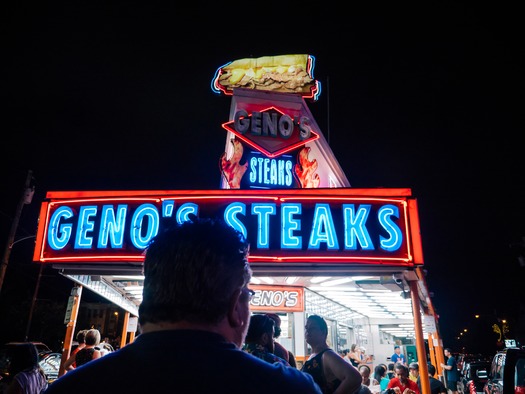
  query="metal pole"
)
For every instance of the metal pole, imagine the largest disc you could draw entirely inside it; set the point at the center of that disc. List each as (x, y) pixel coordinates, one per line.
(26, 338)
(420, 341)
(14, 226)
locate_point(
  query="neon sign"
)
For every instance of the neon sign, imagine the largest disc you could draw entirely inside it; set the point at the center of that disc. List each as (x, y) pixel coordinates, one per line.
(295, 226)
(271, 131)
(279, 298)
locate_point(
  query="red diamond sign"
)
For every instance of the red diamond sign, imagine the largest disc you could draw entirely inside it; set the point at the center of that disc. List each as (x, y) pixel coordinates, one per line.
(271, 131)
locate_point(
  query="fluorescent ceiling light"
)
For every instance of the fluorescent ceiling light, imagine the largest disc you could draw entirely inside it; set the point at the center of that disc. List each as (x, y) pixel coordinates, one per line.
(337, 281)
(317, 279)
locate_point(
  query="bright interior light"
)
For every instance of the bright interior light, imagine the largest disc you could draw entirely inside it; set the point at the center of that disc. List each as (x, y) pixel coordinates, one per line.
(337, 281)
(318, 279)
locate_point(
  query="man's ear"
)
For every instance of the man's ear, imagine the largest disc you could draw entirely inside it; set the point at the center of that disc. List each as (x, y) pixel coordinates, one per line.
(236, 316)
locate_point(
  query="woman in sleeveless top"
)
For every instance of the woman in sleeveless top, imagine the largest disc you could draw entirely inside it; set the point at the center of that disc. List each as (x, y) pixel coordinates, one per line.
(355, 355)
(89, 352)
(327, 368)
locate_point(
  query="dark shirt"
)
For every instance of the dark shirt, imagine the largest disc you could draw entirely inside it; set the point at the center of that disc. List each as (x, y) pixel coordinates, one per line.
(436, 386)
(262, 353)
(453, 374)
(84, 356)
(314, 367)
(185, 361)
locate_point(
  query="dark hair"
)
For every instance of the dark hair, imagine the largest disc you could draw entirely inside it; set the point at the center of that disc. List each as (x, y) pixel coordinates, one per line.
(259, 325)
(431, 369)
(277, 329)
(379, 372)
(321, 322)
(448, 349)
(81, 336)
(191, 272)
(402, 367)
(391, 366)
(23, 358)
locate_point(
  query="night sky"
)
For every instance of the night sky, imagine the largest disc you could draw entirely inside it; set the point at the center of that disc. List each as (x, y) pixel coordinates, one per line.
(118, 97)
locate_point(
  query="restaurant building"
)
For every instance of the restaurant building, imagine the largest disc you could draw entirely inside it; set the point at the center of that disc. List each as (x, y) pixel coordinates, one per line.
(318, 246)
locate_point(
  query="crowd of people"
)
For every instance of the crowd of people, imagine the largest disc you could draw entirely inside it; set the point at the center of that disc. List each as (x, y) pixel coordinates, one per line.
(196, 324)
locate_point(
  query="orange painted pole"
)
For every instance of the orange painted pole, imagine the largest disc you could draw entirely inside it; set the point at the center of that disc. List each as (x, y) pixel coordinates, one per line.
(74, 304)
(124, 335)
(420, 340)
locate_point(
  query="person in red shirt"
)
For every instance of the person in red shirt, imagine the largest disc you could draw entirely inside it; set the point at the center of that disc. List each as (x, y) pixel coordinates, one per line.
(401, 383)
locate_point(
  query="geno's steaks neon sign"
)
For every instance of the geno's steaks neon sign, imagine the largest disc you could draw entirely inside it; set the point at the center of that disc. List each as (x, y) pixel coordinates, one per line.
(321, 226)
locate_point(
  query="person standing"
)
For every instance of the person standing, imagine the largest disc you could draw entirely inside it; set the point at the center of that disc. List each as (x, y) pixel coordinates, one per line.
(193, 319)
(398, 357)
(452, 373)
(402, 382)
(355, 355)
(390, 372)
(436, 386)
(70, 363)
(89, 352)
(329, 370)
(380, 376)
(28, 377)
(279, 349)
(259, 339)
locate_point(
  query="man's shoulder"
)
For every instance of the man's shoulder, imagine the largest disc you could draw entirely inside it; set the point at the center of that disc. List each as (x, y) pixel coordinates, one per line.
(277, 375)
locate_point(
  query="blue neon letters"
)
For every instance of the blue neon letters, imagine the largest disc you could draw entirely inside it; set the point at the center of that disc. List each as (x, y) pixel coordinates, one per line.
(311, 227)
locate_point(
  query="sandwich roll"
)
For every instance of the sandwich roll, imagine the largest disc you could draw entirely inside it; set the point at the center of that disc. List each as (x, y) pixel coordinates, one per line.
(284, 73)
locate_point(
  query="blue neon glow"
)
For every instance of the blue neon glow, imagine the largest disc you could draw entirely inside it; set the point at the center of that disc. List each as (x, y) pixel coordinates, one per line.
(263, 212)
(289, 224)
(355, 227)
(167, 208)
(112, 226)
(145, 217)
(230, 216)
(58, 235)
(185, 210)
(384, 216)
(323, 229)
(85, 224)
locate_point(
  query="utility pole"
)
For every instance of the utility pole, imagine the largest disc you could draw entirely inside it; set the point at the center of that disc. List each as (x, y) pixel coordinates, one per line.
(26, 197)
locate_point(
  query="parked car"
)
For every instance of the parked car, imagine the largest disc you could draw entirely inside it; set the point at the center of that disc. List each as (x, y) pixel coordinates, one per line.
(7, 350)
(507, 372)
(50, 363)
(474, 376)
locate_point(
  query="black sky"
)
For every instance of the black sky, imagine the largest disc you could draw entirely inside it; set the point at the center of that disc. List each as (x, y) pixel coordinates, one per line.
(108, 96)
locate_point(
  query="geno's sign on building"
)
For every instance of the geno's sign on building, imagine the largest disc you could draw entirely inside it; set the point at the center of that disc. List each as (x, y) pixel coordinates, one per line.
(314, 226)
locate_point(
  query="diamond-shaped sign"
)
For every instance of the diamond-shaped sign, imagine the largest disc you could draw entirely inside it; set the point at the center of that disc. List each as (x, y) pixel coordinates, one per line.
(271, 131)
